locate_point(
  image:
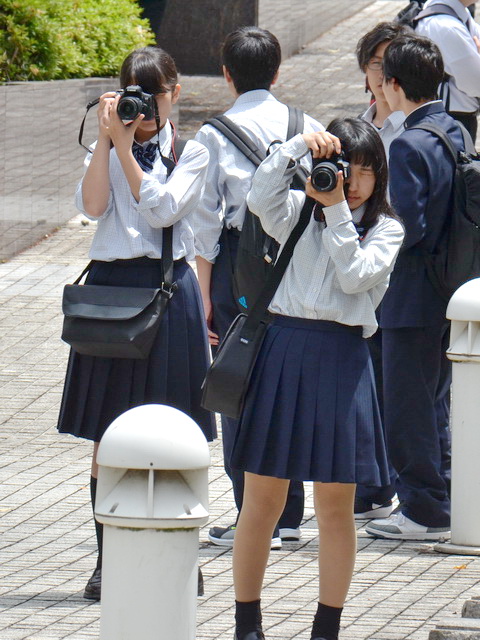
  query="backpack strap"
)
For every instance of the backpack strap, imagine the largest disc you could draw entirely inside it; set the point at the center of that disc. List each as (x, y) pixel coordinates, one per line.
(447, 141)
(237, 137)
(296, 122)
(437, 9)
(245, 144)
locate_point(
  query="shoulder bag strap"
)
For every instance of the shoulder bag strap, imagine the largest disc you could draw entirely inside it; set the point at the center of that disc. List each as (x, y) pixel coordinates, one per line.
(168, 285)
(258, 312)
(85, 271)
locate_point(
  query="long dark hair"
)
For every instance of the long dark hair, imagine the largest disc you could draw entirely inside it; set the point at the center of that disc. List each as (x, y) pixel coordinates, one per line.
(362, 145)
(150, 67)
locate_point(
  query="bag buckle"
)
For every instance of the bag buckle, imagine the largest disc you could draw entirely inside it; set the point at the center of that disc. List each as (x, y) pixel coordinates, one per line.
(168, 289)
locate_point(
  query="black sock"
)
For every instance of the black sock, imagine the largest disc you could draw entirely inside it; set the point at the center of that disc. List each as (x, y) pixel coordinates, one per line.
(98, 525)
(248, 618)
(326, 623)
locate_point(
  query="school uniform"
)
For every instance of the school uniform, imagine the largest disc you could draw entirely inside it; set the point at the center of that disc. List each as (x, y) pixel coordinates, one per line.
(392, 127)
(218, 223)
(127, 251)
(417, 373)
(311, 411)
(454, 37)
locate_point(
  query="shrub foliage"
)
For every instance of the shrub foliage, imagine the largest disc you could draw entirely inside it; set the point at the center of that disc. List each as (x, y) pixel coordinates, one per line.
(54, 39)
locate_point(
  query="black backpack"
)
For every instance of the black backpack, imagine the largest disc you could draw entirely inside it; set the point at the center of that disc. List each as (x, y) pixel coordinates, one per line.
(456, 258)
(257, 251)
(413, 13)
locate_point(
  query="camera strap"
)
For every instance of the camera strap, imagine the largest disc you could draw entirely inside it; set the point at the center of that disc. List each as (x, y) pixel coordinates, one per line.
(177, 144)
(80, 133)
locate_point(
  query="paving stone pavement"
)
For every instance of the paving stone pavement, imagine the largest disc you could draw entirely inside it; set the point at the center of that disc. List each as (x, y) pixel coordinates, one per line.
(47, 547)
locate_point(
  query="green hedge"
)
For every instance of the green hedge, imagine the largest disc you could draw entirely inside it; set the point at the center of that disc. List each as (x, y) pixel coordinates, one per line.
(54, 39)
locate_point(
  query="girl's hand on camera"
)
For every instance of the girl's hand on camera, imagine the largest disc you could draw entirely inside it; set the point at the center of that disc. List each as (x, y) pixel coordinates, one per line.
(327, 198)
(103, 113)
(322, 144)
(112, 126)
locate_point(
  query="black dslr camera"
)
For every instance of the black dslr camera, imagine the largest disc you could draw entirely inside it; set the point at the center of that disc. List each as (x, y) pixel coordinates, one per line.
(133, 102)
(324, 172)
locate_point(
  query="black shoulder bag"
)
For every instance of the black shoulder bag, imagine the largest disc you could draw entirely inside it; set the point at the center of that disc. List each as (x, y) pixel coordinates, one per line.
(118, 322)
(228, 378)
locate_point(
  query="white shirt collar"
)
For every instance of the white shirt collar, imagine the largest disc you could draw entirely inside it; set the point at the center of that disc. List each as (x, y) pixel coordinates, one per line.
(395, 119)
(257, 95)
(424, 105)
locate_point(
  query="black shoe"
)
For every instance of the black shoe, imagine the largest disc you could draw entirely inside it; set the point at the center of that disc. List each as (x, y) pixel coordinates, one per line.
(200, 590)
(94, 586)
(253, 635)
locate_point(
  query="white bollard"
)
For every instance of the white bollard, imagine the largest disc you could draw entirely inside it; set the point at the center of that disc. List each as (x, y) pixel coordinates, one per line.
(152, 497)
(464, 351)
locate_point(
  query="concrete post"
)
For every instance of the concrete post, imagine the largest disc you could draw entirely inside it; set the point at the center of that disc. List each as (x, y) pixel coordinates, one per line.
(152, 497)
(464, 351)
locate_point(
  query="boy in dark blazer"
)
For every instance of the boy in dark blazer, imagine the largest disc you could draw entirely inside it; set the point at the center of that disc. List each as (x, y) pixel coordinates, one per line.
(417, 373)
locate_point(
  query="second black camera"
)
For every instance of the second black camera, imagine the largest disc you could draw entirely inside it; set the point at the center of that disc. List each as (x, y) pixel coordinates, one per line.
(325, 170)
(134, 102)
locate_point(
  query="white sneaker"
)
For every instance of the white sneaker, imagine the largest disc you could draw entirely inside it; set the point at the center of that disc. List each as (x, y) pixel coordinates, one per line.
(399, 527)
(224, 537)
(288, 535)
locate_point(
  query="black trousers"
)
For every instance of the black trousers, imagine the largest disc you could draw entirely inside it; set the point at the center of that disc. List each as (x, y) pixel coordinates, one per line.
(224, 312)
(417, 379)
(378, 495)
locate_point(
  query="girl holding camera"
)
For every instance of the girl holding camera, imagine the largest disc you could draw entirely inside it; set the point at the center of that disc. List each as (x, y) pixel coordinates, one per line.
(135, 186)
(311, 411)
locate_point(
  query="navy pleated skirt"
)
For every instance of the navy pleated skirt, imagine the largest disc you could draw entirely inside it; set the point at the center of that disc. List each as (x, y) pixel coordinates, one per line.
(98, 390)
(311, 411)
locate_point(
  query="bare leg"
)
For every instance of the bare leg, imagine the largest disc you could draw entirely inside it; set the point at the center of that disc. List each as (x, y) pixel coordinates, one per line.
(263, 504)
(337, 540)
(94, 472)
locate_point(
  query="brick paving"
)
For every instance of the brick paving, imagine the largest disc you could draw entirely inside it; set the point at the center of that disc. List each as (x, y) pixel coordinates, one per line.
(47, 546)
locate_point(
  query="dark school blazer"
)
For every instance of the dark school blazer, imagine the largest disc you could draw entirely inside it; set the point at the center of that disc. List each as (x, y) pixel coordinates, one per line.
(421, 188)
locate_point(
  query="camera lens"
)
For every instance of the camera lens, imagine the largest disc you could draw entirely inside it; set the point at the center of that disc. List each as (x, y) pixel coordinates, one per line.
(129, 108)
(324, 177)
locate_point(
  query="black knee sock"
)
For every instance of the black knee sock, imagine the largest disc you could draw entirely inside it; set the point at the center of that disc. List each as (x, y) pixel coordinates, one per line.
(98, 525)
(326, 623)
(248, 618)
